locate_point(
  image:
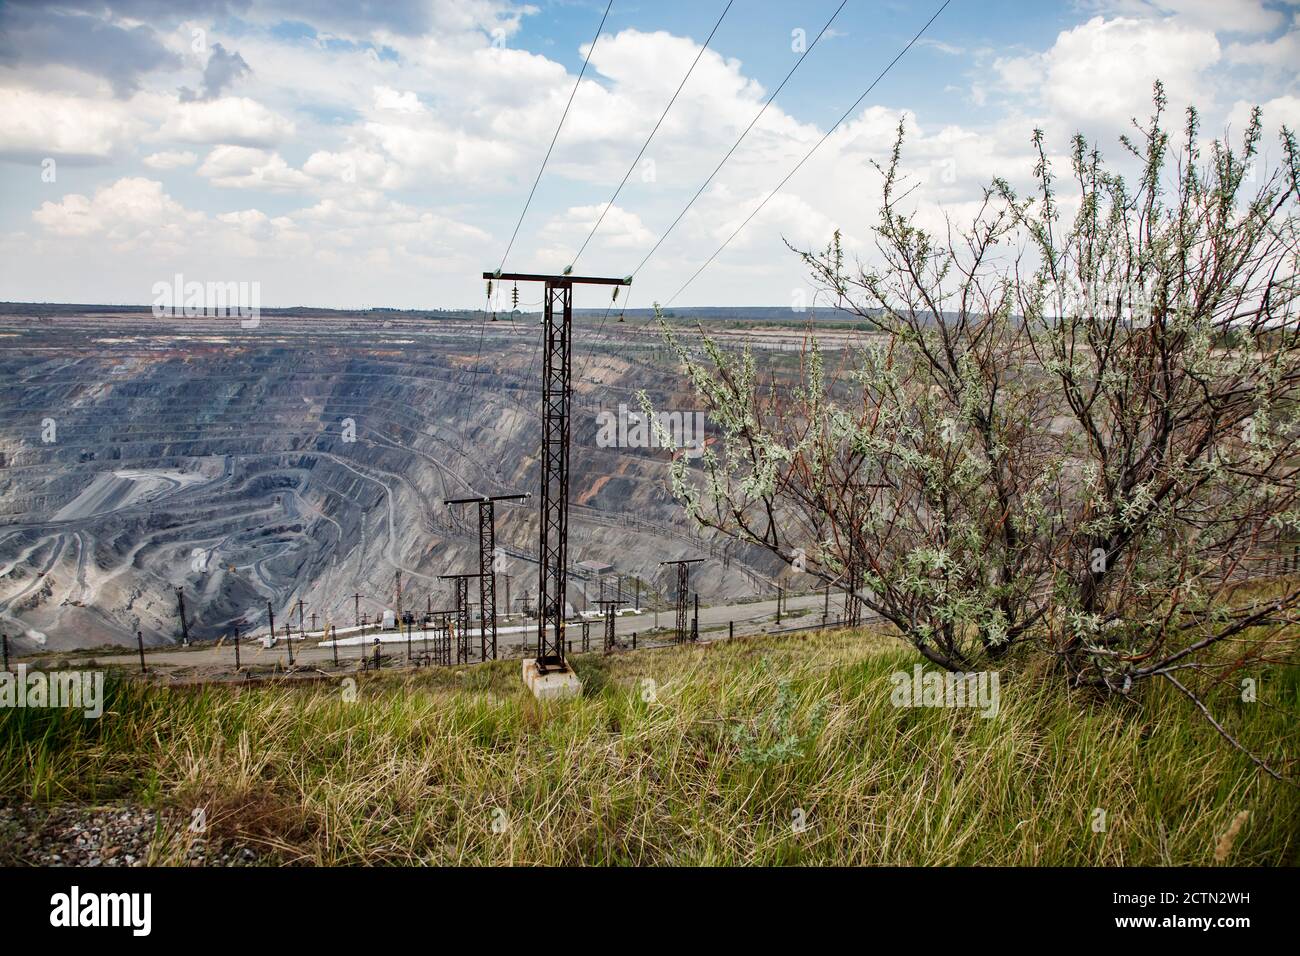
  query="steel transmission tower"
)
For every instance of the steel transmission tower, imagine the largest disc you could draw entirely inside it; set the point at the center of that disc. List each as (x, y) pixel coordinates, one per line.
(487, 582)
(683, 591)
(553, 531)
(462, 614)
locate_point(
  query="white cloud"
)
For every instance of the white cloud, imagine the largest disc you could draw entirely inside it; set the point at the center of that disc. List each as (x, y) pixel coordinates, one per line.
(1282, 52)
(1100, 73)
(242, 167)
(37, 124)
(232, 120)
(563, 234)
(1220, 16)
(170, 159)
(126, 210)
(390, 99)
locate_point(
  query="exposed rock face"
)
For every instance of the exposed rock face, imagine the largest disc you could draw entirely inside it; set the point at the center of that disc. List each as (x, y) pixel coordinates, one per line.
(306, 460)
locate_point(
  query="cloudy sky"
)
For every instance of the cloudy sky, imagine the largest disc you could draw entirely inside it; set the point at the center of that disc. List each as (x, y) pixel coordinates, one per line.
(351, 159)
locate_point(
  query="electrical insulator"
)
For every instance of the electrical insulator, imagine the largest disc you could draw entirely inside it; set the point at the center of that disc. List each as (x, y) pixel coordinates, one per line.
(489, 288)
(514, 297)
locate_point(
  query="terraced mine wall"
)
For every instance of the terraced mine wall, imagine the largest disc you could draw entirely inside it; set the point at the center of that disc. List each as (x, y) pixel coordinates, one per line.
(307, 460)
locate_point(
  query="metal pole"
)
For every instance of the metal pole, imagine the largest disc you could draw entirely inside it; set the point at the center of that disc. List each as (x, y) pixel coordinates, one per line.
(334, 642)
(139, 640)
(180, 604)
(731, 629)
(695, 619)
(236, 647)
(270, 616)
(778, 605)
(377, 665)
(5, 637)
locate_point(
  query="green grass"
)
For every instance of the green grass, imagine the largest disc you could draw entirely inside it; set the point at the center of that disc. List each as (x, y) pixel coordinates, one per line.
(709, 764)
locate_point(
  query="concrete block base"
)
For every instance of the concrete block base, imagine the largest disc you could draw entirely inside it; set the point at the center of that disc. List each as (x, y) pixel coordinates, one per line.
(553, 685)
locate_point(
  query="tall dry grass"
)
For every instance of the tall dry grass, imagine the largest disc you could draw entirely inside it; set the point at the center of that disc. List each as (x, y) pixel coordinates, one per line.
(763, 751)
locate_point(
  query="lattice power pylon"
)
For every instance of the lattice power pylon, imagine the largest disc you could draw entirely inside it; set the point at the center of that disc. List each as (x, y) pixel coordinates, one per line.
(487, 582)
(683, 592)
(553, 530)
(607, 609)
(442, 635)
(462, 614)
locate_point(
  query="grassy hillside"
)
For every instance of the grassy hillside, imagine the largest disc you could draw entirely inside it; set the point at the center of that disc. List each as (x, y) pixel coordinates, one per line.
(697, 755)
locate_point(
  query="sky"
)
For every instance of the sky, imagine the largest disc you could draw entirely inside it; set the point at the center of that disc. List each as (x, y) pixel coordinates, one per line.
(353, 155)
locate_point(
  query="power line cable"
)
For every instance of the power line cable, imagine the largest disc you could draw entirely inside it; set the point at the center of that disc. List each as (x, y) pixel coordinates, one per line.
(631, 338)
(528, 202)
(646, 144)
(716, 169)
(740, 139)
(560, 126)
(814, 149)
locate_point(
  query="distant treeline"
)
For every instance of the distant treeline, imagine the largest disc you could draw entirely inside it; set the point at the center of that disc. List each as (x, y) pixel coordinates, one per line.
(712, 315)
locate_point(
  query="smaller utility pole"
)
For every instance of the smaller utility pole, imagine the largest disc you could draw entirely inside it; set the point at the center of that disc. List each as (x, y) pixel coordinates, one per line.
(462, 614)
(356, 609)
(487, 592)
(607, 609)
(6, 644)
(683, 589)
(236, 647)
(139, 642)
(185, 628)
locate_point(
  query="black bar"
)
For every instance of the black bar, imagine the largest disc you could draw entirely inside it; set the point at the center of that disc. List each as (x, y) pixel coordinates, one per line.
(555, 280)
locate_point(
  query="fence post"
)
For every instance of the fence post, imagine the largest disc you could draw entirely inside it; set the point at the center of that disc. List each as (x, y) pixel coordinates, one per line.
(236, 647)
(139, 641)
(731, 630)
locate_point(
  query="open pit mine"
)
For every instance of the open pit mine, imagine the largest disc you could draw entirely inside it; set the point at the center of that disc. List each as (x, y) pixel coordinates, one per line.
(308, 459)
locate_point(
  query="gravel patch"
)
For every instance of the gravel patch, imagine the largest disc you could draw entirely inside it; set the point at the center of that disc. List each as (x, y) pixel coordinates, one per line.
(84, 836)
